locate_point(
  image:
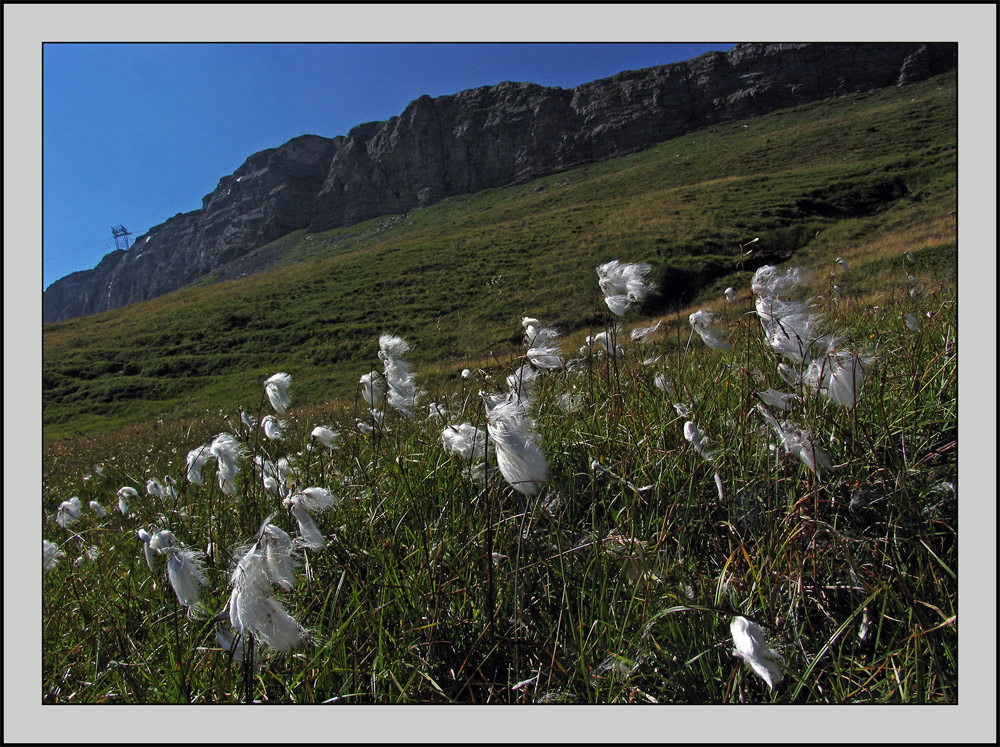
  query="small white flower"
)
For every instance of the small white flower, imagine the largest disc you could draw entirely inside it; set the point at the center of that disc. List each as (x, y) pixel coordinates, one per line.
(753, 649)
(277, 391)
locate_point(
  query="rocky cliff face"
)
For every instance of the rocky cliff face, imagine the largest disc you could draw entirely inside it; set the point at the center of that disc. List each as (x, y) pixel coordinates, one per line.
(473, 140)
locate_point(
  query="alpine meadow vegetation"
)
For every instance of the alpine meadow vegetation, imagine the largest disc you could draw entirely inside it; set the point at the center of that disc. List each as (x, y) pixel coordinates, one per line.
(649, 480)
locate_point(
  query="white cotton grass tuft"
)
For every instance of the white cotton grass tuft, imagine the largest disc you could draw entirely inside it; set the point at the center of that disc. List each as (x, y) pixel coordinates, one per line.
(252, 610)
(186, 574)
(185, 568)
(772, 282)
(542, 347)
(790, 375)
(776, 399)
(838, 376)
(51, 554)
(125, 492)
(372, 388)
(98, 509)
(68, 512)
(912, 322)
(751, 646)
(661, 383)
(274, 429)
(276, 388)
(247, 419)
(799, 443)
(436, 411)
(846, 376)
(196, 459)
(279, 556)
(146, 537)
(155, 488)
(403, 392)
(518, 449)
(698, 441)
(702, 323)
(303, 502)
(228, 451)
(730, 295)
(89, 555)
(465, 440)
(329, 438)
(644, 334)
(624, 285)
(601, 340)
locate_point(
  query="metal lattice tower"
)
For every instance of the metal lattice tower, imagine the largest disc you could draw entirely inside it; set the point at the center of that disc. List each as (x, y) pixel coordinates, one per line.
(121, 234)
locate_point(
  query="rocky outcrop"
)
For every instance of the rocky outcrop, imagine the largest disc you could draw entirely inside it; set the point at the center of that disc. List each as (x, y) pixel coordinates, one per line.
(480, 138)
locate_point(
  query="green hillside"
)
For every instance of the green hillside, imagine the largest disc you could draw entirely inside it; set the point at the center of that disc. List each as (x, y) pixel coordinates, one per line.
(865, 177)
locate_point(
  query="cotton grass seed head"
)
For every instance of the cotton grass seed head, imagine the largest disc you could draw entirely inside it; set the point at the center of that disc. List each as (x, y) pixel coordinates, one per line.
(228, 451)
(68, 512)
(51, 555)
(276, 388)
(624, 285)
(326, 436)
(750, 645)
(518, 450)
(274, 429)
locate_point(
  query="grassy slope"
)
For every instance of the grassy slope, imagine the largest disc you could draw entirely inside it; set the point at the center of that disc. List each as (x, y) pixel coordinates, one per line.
(858, 177)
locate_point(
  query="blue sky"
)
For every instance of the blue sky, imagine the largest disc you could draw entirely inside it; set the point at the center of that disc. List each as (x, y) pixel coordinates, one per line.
(136, 133)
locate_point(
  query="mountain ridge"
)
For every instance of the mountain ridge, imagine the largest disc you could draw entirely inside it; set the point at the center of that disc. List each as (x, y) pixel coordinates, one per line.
(476, 139)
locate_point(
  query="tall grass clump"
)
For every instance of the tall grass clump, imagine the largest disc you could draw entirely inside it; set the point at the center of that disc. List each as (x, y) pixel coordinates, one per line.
(751, 501)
